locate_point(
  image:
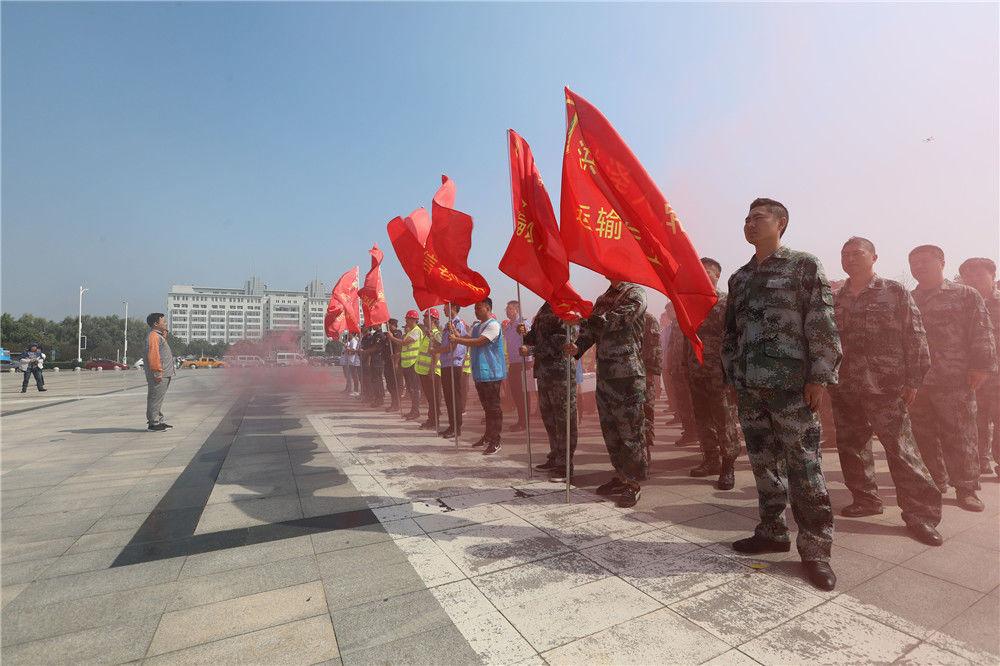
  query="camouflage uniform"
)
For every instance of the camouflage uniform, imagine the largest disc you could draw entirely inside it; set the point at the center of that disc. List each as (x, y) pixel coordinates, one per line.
(944, 413)
(988, 397)
(547, 337)
(780, 335)
(616, 328)
(885, 352)
(652, 359)
(714, 412)
(676, 370)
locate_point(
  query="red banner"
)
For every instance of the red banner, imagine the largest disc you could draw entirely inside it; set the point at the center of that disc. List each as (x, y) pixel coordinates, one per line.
(408, 236)
(372, 295)
(342, 311)
(615, 220)
(446, 252)
(535, 256)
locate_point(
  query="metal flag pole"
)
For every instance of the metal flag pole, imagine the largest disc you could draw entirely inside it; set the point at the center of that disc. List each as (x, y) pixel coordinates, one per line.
(454, 405)
(524, 384)
(569, 387)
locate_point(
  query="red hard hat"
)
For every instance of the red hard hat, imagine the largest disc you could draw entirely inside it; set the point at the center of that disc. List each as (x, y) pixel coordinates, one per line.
(412, 314)
(434, 313)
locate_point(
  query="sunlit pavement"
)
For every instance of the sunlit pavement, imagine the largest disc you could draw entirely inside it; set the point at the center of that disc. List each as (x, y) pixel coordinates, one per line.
(280, 522)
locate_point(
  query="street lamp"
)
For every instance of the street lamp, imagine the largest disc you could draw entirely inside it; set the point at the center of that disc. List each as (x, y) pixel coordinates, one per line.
(79, 328)
(125, 355)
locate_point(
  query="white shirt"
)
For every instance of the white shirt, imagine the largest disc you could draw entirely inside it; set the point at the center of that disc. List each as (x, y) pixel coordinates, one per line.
(353, 346)
(491, 330)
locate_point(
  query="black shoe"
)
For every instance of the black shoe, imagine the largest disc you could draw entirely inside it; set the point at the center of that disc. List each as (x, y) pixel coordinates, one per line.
(494, 447)
(24, 390)
(629, 497)
(727, 477)
(165, 425)
(428, 425)
(42, 389)
(820, 574)
(860, 509)
(984, 467)
(708, 467)
(558, 474)
(757, 544)
(687, 438)
(612, 487)
(968, 500)
(480, 442)
(447, 433)
(157, 427)
(548, 464)
(925, 533)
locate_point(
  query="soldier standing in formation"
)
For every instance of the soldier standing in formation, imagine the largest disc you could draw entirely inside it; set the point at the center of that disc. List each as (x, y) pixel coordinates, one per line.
(683, 409)
(615, 326)
(779, 349)
(885, 360)
(963, 356)
(545, 342)
(980, 273)
(714, 409)
(652, 359)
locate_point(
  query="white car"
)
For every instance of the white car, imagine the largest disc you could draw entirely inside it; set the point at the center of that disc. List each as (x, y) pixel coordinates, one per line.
(138, 364)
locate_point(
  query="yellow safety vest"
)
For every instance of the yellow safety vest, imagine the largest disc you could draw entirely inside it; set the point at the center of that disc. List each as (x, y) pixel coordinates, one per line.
(409, 352)
(423, 363)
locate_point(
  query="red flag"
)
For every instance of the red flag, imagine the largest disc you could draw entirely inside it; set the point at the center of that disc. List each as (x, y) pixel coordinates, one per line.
(535, 256)
(615, 220)
(446, 252)
(372, 295)
(342, 311)
(408, 236)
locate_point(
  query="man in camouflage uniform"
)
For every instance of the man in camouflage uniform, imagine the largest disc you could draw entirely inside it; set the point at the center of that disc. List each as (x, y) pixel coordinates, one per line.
(980, 273)
(615, 326)
(714, 410)
(885, 360)
(652, 359)
(684, 409)
(779, 349)
(963, 355)
(552, 370)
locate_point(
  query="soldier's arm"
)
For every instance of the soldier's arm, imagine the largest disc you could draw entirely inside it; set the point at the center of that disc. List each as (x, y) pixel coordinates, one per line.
(916, 354)
(822, 340)
(727, 349)
(585, 340)
(631, 308)
(982, 346)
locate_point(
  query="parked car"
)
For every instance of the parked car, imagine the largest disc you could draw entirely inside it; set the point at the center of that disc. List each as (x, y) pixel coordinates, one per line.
(289, 358)
(104, 364)
(202, 362)
(242, 361)
(6, 364)
(139, 364)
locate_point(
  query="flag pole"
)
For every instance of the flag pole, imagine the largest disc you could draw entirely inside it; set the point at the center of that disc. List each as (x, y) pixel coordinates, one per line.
(454, 380)
(569, 387)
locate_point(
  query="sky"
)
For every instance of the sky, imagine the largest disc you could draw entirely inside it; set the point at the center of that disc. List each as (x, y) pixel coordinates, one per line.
(149, 144)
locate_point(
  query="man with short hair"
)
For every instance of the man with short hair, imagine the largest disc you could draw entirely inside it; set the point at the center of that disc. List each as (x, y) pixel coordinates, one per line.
(980, 273)
(779, 349)
(520, 365)
(963, 356)
(489, 369)
(452, 357)
(31, 366)
(158, 365)
(885, 360)
(714, 410)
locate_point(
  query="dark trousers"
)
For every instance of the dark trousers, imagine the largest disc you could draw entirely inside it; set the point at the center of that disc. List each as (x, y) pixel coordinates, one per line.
(389, 372)
(376, 389)
(489, 398)
(451, 386)
(518, 391)
(35, 372)
(431, 385)
(944, 425)
(462, 394)
(412, 380)
(988, 423)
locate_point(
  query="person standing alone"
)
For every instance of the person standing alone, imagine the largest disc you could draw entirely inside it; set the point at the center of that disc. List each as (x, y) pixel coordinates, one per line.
(31, 366)
(158, 364)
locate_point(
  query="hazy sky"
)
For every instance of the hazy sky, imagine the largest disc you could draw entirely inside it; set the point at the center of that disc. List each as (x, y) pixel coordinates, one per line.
(152, 144)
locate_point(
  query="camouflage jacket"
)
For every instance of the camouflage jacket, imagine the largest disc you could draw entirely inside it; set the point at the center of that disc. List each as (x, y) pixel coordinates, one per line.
(616, 328)
(993, 307)
(546, 337)
(780, 331)
(958, 333)
(652, 352)
(710, 332)
(885, 347)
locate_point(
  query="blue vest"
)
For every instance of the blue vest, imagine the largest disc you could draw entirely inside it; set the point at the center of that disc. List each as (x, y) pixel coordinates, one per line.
(488, 361)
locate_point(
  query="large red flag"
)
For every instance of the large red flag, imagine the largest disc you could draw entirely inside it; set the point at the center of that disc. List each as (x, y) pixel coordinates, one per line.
(535, 256)
(408, 236)
(372, 295)
(342, 311)
(446, 252)
(615, 220)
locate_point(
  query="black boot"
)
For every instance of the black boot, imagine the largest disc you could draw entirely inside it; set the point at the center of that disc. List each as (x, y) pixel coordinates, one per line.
(709, 467)
(757, 544)
(820, 574)
(727, 477)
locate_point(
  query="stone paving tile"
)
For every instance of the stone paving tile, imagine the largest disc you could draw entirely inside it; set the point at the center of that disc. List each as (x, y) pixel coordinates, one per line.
(961, 563)
(976, 626)
(721, 528)
(202, 624)
(429, 560)
(308, 641)
(476, 515)
(247, 513)
(731, 658)
(480, 549)
(830, 634)
(443, 644)
(925, 653)
(660, 637)
(348, 579)
(204, 564)
(9, 592)
(104, 645)
(387, 620)
(88, 542)
(685, 575)
(219, 586)
(24, 571)
(568, 615)
(639, 550)
(538, 579)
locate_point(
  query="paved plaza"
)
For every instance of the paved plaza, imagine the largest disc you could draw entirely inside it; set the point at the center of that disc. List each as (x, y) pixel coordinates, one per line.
(279, 522)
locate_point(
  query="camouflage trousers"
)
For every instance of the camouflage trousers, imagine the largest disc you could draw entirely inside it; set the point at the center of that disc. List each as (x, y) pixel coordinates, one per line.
(782, 436)
(944, 424)
(619, 407)
(552, 405)
(988, 423)
(716, 418)
(679, 397)
(858, 416)
(648, 407)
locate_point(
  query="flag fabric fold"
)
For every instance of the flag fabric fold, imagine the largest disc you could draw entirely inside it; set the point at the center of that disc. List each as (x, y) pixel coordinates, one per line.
(616, 221)
(446, 252)
(535, 256)
(342, 310)
(408, 237)
(372, 294)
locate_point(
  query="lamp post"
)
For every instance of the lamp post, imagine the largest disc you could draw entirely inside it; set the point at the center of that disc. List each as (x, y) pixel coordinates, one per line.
(125, 355)
(79, 328)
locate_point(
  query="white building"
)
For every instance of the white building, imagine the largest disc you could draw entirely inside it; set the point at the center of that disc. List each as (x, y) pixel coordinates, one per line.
(227, 315)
